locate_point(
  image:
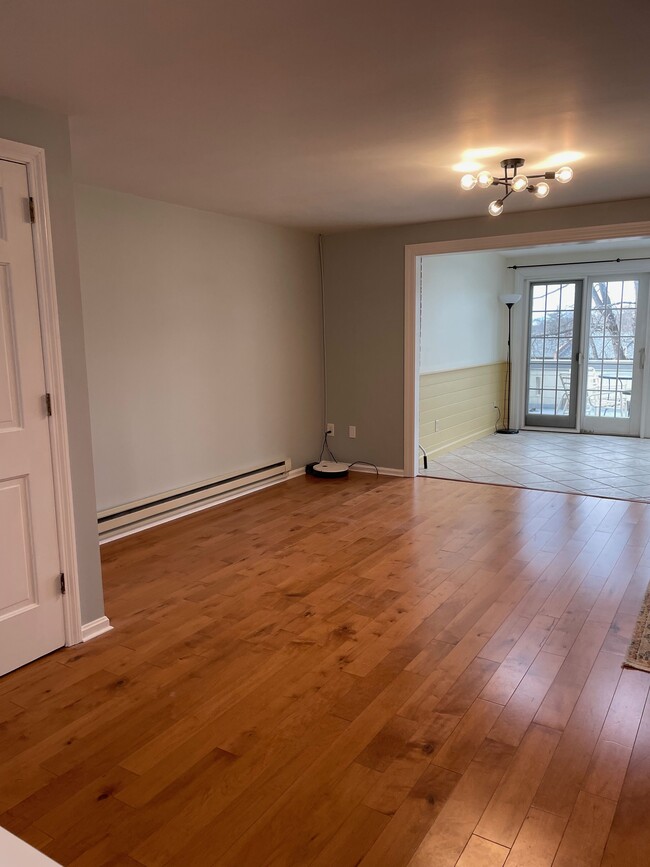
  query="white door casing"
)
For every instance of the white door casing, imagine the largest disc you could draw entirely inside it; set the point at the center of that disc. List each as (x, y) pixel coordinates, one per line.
(32, 618)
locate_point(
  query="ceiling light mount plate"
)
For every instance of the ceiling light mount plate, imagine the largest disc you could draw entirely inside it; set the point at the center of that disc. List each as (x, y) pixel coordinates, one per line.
(513, 163)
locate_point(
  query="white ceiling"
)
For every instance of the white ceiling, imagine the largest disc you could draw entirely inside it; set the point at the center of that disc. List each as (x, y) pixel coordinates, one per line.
(336, 114)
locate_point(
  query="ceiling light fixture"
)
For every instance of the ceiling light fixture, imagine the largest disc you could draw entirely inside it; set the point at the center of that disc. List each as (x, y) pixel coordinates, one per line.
(515, 181)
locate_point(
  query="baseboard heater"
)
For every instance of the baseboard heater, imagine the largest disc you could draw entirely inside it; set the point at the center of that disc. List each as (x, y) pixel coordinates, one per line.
(140, 513)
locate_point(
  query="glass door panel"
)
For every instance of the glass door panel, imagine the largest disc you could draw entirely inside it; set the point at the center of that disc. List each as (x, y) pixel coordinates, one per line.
(552, 366)
(615, 338)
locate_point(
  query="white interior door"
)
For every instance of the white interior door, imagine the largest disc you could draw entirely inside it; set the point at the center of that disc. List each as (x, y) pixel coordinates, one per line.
(614, 354)
(31, 607)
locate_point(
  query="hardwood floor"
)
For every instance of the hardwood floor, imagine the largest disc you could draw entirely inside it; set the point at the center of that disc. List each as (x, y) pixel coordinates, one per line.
(349, 672)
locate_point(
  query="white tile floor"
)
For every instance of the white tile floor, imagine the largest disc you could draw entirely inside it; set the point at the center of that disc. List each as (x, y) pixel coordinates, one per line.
(601, 466)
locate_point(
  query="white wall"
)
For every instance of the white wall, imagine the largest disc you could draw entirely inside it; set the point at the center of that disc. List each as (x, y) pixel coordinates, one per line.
(462, 317)
(203, 343)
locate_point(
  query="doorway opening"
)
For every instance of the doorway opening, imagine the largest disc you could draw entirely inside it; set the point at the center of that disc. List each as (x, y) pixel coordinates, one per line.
(578, 358)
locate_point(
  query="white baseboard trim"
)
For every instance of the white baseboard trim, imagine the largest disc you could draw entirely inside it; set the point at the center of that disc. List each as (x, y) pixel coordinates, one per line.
(383, 471)
(95, 628)
(209, 504)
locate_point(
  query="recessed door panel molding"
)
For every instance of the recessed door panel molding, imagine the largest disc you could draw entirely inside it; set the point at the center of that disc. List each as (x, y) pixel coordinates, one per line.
(3, 223)
(10, 411)
(18, 590)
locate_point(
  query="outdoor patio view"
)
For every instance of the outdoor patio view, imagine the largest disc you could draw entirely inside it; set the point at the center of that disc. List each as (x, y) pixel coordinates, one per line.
(609, 347)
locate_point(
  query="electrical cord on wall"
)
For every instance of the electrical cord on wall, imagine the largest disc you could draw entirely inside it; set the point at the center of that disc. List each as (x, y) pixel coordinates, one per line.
(326, 445)
(496, 423)
(321, 267)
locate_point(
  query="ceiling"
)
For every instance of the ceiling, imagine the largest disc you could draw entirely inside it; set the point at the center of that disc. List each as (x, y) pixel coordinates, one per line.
(608, 247)
(336, 114)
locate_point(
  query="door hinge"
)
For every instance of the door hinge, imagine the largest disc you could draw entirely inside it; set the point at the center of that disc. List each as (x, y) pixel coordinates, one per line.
(48, 403)
(32, 210)
(62, 582)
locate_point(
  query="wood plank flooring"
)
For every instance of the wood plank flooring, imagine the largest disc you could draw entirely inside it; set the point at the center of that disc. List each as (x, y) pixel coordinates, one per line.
(349, 672)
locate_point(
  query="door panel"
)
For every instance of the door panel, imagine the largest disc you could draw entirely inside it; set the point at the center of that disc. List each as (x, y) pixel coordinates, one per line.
(31, 609)
(9, 394)
(18, 589)
(552, 366)
(614, 350)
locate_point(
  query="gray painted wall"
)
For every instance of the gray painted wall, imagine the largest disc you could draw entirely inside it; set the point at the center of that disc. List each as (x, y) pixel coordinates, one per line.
(34, 126)
(203, 343)
(364, 316)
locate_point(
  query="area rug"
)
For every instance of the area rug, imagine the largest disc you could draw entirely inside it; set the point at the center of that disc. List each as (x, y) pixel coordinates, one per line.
(638, 654)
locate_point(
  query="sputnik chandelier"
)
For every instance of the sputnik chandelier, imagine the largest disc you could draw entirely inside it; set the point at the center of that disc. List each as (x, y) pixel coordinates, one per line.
(515, 182)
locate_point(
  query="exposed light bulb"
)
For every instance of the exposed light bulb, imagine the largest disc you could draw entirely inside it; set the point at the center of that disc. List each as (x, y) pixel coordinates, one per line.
(541, 190)
(468, 182)
(495, 208)
(564, 174)
(519, 183)
(484, 179)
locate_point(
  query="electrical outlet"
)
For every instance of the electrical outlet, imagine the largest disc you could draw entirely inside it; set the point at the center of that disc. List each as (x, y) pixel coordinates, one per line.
(330, 429)
(352, 431)
(436, 424)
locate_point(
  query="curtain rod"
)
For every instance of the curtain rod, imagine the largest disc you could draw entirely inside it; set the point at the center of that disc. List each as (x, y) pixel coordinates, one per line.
(590, 262)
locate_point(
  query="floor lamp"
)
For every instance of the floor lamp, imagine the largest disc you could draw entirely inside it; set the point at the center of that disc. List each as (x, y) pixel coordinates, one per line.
(509, 301)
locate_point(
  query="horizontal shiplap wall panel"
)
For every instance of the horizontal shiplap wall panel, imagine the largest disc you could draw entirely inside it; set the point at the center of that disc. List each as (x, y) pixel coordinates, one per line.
(462, 402)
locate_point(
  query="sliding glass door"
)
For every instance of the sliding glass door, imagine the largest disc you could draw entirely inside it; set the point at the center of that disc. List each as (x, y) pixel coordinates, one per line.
(586, 354)
(614, 355)
(552, 373)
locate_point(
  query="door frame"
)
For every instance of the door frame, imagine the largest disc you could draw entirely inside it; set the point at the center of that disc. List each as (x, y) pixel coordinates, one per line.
(33, 158)
(469, 245)
(583, 272)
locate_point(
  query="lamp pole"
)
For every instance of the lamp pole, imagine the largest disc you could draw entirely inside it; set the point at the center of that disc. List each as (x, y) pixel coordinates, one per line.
(509, 301)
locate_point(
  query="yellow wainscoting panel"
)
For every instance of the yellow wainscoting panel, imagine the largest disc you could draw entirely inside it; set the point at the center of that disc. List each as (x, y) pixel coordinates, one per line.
(462, 403)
